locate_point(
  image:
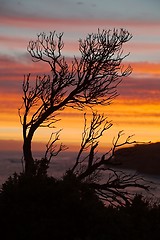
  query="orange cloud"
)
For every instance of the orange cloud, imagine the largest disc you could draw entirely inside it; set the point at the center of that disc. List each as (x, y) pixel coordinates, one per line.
(146, 68)
(135, 111)
(134, 116)
(37, 22)
(142, 47)
(13, 42)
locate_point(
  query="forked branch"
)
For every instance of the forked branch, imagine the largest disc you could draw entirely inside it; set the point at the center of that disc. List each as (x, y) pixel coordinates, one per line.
(52, 149)
(100, 172)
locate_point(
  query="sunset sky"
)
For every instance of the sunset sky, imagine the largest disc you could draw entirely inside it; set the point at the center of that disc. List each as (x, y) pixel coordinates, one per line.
(136, 110)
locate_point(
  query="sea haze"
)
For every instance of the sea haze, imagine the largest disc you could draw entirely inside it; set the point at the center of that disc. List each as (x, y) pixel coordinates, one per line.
(12, 161)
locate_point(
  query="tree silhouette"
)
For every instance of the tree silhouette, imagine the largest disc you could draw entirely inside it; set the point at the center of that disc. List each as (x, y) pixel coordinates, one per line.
(100, 173)
(86, 81)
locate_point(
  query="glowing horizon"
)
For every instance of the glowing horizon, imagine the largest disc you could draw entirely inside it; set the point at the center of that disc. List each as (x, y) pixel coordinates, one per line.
(136, 110)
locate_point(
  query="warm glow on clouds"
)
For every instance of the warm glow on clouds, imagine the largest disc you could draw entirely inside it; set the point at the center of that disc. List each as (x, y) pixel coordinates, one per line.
(14, 67)
(136, 110)
(146, 68)
(40, 22)
(133, 116)
(143, 47)
(131, 110)
(13, 42)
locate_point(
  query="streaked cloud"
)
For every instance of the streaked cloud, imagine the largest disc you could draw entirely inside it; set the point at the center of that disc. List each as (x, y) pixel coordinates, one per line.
(16, 31)
(139, 99)
(123, 9)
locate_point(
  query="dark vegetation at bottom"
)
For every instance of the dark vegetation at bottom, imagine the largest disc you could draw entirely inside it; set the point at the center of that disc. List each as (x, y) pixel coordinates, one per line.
(46, 208)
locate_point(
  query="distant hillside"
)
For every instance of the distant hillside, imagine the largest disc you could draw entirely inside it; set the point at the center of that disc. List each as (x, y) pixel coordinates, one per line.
(145, 158)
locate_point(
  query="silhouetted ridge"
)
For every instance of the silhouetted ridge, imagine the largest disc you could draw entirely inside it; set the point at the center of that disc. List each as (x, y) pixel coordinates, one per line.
(144, 158)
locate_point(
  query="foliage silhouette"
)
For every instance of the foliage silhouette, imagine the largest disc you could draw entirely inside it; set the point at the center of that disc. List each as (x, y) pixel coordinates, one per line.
(46, 208)
(34, 205)
(87, 81)
(43, 207)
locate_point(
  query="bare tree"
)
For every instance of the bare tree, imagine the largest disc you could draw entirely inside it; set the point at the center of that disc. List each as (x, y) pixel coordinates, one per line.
(99, 171)
(86, 81)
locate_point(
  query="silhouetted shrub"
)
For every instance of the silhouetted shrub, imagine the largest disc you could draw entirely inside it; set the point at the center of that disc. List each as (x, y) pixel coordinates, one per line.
(36, 207)
(41, 207)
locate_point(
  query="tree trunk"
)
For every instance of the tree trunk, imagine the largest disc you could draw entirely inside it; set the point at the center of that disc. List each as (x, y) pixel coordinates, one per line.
(28, 159)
